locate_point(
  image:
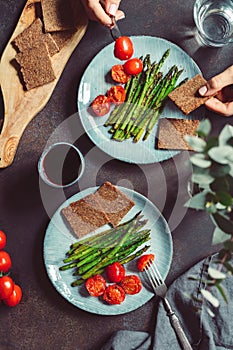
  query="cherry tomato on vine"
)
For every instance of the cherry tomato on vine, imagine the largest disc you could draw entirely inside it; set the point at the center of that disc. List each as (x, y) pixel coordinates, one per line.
(101, 105)
(131, 284)
(5, 261)
(114, 294)
(118, 74)
(144, 260)
(123, 48)
(116, 94)
(133, 66)
(96, 285)
(6, 287)
(15, 297)
(115, 272)
(2, 239)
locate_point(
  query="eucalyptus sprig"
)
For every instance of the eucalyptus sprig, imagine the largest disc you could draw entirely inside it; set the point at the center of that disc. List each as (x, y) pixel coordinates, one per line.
(212, 177)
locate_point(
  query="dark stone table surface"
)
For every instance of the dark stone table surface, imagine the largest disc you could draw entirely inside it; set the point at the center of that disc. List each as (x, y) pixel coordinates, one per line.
(44, 319)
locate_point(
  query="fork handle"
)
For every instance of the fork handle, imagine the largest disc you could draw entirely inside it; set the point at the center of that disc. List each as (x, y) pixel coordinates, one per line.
(184, 343)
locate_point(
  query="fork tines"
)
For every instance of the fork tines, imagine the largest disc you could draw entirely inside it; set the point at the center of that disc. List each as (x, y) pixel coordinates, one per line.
(153, 274)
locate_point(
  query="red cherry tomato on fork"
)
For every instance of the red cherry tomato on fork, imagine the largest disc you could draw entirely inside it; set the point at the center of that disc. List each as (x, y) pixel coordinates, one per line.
(6, 287)
(144, 260)
(101, 105)
(15, 297)
(123, 48)
(5, 261)
(116, 94)
(133, 66)
(2, 239)
(115, 272)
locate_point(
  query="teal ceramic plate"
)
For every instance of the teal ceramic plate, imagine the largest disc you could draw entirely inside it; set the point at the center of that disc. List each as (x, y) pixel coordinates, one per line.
(58, 239)
(96, 80)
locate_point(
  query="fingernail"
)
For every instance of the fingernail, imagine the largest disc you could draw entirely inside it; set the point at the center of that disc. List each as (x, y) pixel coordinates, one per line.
(202, 90)
(121, 16)
(113, 9)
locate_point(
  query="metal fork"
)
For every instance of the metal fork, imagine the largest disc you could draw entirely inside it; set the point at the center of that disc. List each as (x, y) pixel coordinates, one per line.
(160, 289)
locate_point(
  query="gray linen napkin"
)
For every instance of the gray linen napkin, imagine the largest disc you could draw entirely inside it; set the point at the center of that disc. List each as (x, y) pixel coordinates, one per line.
(203, 331)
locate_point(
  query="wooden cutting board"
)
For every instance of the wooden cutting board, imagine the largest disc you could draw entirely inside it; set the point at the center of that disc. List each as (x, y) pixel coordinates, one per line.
(21, 106)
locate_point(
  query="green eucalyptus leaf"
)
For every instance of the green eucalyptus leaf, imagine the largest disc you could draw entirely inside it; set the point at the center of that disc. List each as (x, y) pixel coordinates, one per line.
(226, 134)
(216, 274)
(211, 208)
(202, 179)
(221, 154)
(198, 201)
(223, 222)
(200, 160)
(222, 291)
(210, 312)
(219, 236)
(204, 128)
(225, 198)
(197, 144)
(210, 298)
(211, 142)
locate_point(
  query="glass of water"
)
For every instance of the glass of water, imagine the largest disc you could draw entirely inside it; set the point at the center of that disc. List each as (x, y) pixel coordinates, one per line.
(214, 21)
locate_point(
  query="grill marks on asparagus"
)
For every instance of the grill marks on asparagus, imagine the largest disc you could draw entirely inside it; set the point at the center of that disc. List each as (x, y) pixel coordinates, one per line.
(91, 255)
(146, 94)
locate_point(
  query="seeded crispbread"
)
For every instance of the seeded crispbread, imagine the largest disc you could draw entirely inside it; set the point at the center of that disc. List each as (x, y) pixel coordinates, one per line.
(171, 133)
(35, 66)
(62, 37)
(32, 37)
(85, 215)
(57, 15)
(186, 96)
(114, 202)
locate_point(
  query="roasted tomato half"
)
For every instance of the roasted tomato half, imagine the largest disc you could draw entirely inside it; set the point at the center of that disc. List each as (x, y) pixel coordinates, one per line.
(116, 94)
(115, 272)
(96, 285)
(101, 105)
(144, 260)
(118, 74)
(123, 48)
(133, 66)
(114, 294)
(131, 284)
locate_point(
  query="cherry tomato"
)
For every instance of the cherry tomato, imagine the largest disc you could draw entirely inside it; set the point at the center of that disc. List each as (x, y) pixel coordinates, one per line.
(15, 297)
(116, 94)
(114, 294)
(101, 105)
(6, 287)
(123, 48)
(5, 261)
(131, 284)
(144, 260)
(2, 239)
(133, 66)
(96, 285)
(115, 272)
(118, 74)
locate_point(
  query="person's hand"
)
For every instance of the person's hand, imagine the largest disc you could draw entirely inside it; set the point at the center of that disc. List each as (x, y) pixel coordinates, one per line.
(222, 87)
(102, 14)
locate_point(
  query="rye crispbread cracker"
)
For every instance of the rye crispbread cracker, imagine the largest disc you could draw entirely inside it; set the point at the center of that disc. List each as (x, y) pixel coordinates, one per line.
(32, 37)
(114, 202)
(58, 15)
(171, 133)
(85, 215)
(62, 37)
(35, 66)
(186, 96)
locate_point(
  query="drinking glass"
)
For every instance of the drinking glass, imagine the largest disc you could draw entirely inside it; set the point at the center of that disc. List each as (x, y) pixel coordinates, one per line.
(214, 21)
(61, 165)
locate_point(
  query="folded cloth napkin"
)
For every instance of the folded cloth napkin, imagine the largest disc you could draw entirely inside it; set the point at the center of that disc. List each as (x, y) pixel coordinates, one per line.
(203, 331)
